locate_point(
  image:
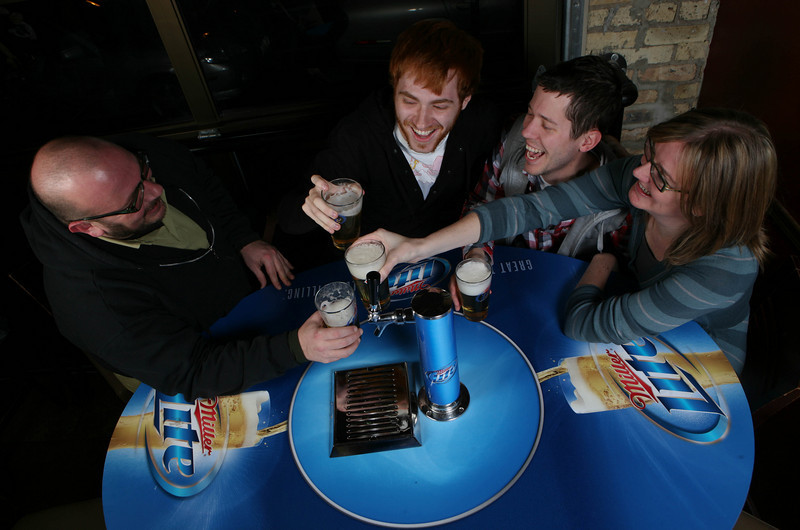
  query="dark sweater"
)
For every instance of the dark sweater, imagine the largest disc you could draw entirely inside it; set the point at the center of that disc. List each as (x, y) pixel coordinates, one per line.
(145, 312)
(362, 147)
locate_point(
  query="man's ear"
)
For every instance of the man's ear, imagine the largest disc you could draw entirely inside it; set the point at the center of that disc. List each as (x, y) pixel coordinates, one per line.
(85, 227)
(590, 140)
(464, 103)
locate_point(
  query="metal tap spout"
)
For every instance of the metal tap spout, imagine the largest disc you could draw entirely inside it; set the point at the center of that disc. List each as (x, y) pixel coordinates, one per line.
(398, 316)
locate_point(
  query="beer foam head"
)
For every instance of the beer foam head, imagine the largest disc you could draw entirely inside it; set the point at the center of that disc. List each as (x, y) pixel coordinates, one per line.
(243, 413)
(338, 313)
(346, 203)
(474, 276)
(584, 399)
(344, 196)
(365, 257)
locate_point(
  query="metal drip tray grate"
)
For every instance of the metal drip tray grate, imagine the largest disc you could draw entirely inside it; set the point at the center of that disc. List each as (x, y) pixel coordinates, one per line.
(374, 410)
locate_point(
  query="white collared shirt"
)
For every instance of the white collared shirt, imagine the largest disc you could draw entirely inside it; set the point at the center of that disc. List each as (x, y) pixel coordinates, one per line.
(425, 166)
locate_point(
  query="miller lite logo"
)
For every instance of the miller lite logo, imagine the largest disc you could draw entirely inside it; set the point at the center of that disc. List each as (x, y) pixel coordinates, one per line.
(186, 443)
(442, 375)
(674, 390)
(410, 278)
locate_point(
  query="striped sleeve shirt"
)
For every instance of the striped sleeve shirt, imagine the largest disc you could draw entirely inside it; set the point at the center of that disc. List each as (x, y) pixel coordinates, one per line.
(713, 290)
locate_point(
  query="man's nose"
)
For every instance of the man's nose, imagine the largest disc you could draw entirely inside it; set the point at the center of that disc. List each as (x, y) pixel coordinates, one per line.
(422, 116)
(152, 190)
(530, 130)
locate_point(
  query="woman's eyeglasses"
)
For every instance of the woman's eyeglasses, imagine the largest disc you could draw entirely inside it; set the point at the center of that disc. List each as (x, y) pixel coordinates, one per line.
(655, 172)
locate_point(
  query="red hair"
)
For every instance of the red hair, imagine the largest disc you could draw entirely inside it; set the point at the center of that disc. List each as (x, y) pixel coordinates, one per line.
(432, 52)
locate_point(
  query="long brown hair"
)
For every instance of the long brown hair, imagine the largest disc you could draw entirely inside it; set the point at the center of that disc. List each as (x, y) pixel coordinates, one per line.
(728, 166)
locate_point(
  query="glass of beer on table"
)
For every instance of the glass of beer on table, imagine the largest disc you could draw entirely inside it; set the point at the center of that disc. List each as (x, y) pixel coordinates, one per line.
(474, 279)
(368, 255)
(337, 303)
(345, 196)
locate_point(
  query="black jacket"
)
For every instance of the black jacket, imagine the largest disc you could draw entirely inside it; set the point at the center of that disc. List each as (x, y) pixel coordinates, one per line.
(362, 147)
(143, 312)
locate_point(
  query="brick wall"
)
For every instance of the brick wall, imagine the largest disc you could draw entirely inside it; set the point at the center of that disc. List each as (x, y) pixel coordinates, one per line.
(666, 46)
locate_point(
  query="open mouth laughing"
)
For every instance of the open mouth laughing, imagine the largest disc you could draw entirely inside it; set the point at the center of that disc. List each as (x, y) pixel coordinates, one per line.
(532, 154)
(423, 134)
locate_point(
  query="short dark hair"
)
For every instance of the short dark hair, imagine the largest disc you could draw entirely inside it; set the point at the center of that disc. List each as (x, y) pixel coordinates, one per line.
(430, 49)
(594, 85)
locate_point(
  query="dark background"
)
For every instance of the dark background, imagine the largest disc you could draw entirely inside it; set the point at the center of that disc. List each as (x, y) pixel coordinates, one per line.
(60, 411)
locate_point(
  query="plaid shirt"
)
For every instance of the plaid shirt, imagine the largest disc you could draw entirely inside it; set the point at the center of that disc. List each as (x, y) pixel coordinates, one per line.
(490, 188)
(549, 239)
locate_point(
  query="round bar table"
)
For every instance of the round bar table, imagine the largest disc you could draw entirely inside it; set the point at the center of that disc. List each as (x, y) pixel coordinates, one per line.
(656, 433)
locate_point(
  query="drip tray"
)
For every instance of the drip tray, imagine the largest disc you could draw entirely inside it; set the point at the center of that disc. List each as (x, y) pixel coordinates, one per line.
(375, 411)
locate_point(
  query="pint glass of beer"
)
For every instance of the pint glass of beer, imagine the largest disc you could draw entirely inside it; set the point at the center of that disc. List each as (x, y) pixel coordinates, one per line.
(337, 303)
(368, 255)
(474, 279)
(345, 196)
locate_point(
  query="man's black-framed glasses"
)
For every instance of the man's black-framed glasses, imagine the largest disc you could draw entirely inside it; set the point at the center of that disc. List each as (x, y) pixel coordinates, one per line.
(655, 172)
(138, 199)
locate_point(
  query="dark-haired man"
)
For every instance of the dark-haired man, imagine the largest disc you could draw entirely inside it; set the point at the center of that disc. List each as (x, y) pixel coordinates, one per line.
(564, 134)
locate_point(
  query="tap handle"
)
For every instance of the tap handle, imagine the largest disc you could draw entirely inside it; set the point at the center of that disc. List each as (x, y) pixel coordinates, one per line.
(398, 316)
(373, 285)
(405, 315)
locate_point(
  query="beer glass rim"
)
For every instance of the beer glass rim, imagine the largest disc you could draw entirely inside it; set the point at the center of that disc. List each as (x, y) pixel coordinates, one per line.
(482, 261)
(330, 286)
(364, 243)
(339, 182)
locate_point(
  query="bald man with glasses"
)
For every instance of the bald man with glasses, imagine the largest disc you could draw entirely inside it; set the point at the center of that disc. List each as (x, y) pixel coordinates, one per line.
(143, 249)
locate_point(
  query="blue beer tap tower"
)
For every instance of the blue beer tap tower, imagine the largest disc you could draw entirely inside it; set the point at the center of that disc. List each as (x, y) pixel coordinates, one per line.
(442, 397)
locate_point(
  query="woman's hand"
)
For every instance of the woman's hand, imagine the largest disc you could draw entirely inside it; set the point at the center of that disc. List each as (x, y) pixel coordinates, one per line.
(399, 249)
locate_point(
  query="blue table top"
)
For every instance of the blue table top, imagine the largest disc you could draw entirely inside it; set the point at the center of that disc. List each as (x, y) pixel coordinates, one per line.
(619, 445)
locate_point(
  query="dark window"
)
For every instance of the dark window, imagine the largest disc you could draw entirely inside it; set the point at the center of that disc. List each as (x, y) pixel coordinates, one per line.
(104, 66)
(81, 66)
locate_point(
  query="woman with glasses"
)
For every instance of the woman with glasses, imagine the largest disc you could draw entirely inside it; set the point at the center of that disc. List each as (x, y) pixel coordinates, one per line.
(698, 196)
